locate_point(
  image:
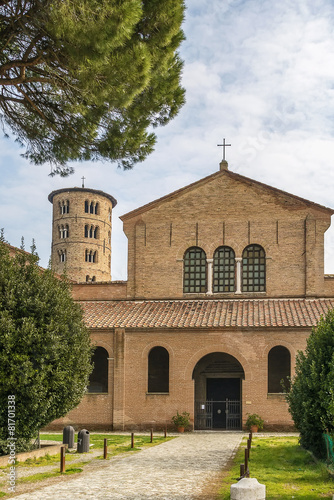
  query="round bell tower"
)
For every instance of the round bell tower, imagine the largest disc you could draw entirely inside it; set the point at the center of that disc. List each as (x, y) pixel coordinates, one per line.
(81, 233)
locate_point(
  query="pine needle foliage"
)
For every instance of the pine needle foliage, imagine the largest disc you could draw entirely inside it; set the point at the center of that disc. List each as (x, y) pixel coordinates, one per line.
(311, 398)
(45, 350)
(89, 79)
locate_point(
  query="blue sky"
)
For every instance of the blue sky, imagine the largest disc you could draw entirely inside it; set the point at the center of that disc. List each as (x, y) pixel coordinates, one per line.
(259, 73)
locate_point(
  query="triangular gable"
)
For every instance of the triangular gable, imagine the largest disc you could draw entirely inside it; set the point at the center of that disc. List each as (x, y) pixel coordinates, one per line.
(240, 178)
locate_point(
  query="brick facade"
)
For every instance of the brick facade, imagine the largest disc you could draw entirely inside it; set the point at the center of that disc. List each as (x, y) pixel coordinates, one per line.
(225, 336)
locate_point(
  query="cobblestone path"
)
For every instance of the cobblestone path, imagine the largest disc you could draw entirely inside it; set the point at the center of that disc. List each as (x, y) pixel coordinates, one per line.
(180, 469)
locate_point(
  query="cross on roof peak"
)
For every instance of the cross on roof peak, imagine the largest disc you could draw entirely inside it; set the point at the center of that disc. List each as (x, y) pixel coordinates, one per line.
(224, 145)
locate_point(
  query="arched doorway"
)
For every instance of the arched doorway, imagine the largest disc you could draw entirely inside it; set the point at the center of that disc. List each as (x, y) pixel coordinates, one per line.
(218, 388)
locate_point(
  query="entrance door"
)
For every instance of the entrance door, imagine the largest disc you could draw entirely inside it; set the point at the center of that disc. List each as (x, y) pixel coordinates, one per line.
(218, 390)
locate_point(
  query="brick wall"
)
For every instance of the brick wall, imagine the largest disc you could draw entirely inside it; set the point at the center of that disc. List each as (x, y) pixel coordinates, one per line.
(128, 405)
(99, 291)
(225, 211)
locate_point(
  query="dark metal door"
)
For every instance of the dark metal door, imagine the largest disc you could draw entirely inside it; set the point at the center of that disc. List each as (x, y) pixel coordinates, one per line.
(222, 408)
(218, 415)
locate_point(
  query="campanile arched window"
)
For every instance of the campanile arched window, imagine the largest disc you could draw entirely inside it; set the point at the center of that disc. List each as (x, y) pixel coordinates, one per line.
(158, 370)
(64, 207)
(253, 269)
(194, 277)
(279, 369)
(62, 255)
(90, 256)
(64, 231)
(223, 270)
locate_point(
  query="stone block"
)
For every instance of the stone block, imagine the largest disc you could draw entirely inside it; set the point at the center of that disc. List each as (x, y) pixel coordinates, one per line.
(248, 488)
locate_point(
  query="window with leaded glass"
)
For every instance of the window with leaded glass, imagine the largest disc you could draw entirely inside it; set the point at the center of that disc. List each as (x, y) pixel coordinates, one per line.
(194, 280)
(223, 270)
(253, 269)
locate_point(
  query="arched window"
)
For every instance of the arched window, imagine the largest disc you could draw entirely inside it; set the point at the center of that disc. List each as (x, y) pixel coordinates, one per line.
(86, 207)
(223, 270)
(279, 368)
(96, 208)
(98, 380)
(64, 231)
(64, 207)
(62, 255)
(90, 256)
(158, 370)
(253, 269)
(194, 278)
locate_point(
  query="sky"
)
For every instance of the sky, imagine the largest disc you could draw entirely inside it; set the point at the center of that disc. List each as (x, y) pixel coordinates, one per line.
(256, 72)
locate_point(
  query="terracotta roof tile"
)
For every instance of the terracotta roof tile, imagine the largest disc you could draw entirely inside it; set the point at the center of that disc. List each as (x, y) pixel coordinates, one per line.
(245, 313)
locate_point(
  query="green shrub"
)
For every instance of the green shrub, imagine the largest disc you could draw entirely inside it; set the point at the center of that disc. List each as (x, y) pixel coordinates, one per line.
(311, 397)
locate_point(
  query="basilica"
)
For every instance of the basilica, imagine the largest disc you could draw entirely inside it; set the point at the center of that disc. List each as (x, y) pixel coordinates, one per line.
(225, 282)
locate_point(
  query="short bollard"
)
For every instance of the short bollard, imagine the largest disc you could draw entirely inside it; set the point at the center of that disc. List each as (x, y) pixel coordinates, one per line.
(151, 435)
(62, 459)
(132, 440)
(248, 489)
(105, 449)
(248, 448)
(165, 432)
(242, 470)
(246, 459)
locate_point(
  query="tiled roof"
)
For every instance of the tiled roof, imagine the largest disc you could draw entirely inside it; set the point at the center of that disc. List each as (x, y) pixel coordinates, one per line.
(251, 313)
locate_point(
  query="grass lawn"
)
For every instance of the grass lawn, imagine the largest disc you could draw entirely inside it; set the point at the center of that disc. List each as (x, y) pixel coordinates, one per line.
(284, 467)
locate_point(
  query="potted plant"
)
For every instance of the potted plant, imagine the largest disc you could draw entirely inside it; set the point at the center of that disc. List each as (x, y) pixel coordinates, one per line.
(181, 420)
(254, 422)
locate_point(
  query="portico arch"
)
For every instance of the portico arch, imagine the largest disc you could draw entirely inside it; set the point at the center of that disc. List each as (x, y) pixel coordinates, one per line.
(218, 389)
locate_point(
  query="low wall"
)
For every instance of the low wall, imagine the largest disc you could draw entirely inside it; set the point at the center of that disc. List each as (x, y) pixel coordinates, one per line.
(113, 290)
(40, 452)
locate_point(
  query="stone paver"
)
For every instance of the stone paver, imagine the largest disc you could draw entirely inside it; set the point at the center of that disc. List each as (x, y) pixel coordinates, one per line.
(176, 470)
